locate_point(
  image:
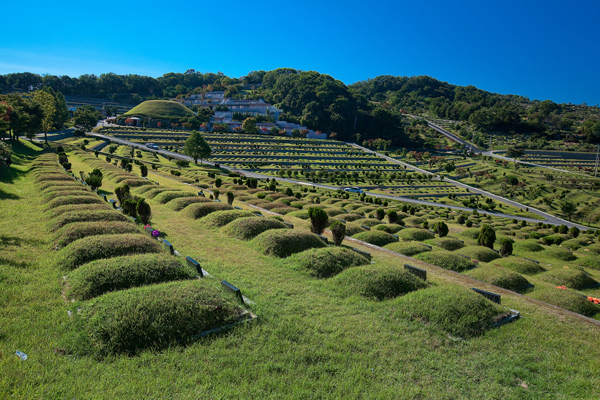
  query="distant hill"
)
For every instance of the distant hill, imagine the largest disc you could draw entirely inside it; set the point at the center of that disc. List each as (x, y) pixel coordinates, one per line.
(159, 109)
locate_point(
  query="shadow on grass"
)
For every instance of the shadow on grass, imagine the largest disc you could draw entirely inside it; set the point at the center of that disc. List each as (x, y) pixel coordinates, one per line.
(12, 263)
(8, 196)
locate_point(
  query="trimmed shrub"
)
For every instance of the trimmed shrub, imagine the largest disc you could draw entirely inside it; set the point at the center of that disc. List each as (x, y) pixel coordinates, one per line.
(407, 249)
(222, 218)
(93, 248)
(501, 278)
(441, 228)
(196, 211)
(182, 202)
(480, 253)
(67, 200)
(447, 260)
(283, 243)
(572, 278)
(327, 262)
(318, 219)
(415, 234)
(568, 300)
(79, 230)
(144, 211)
(338, 231)
(87, 216)
(249, 228)
(376, 283)
(454, 309)
(165, 197)
(101, 276)
(520, 265)
(506, 247)
(377, 238)
(487, 236)
(157, 316)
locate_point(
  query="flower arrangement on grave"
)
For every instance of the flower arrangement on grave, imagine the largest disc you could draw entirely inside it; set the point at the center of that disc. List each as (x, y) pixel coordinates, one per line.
(561, 287)
(155, 233)
(594, 300)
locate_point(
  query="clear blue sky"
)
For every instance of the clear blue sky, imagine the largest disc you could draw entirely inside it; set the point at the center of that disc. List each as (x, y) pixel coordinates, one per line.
(539, 49)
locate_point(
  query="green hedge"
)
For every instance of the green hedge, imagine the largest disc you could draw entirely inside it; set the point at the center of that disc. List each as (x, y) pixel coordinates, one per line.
(285, 242)
(157, 316)
(249, 228)
(328, 261)
(453, 309)
(93, 248)
(196, 211)
(389, 228)
(107, 275)
(79, 230)
(377, 283)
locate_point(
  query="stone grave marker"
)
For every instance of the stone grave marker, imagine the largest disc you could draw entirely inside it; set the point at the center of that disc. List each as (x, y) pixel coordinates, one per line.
(194, 264)
(168, 246)
(232, 289)
(488, 295)
(421, 273)
(366, 227)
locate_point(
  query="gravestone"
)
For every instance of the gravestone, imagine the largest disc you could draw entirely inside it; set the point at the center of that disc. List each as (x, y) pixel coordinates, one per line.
(396, 237)
(362, 253)
(237, 208)
(194, 264)
(232, 289)
(114, 203)
(323, 238)
(426, 245)
(462, 255)
(201, 193)
(168, 246)
(217, 200)
(529, 259)
(258, 214)
(288, 225)
(488, 295)
(149, 230)
(342, 220)
(104, 197)
(421, 273)
(366, 227)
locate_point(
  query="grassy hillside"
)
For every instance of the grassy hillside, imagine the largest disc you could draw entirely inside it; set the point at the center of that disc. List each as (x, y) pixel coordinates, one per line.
(160, 109)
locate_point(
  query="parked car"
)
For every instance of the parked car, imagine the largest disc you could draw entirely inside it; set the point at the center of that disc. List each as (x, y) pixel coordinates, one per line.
(354, 189)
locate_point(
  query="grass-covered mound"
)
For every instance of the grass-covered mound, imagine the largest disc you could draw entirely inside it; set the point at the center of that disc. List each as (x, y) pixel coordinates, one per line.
(285, 242)
(519, 265)
(302, 214)
(87, 215)
(93, 248)
(199, 210)
(68, 200)
(182, 202)
(79, 230)
(377, 283)
(133, 182)
(446, 260)
(284, 210)
(55, 212)
(222, 218)
(352, 228)
(559, 254)
(65, 191)
(499, 277)
(480, 253)
(249, 228)
(165, 197)
(471, 233)
(574, 244)
(389, 228)
(414, 221)
(566, 299)
(592, 261)
(453, 309)
(154, 191)
(159, 109)
(593, 248)
(528, 245)
(44, 177)
(51, 185)
(370, 222)
(378, 238)
(449, 244)
(415, 234)
(328, 261)
(155, 316)
(407, 249)
(570, 277)
(107, 275)
(350, 217)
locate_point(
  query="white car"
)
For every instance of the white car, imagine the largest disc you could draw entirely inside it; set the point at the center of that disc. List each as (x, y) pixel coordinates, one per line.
(354, 189)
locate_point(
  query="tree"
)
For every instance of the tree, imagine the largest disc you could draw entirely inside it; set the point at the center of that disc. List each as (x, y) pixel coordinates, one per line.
(338, 230)
(506, 247)
(392, 217)
(249, 125)
(196, 147)
(48, 104)
(574, 231)
(5, 154)
(85, 118)
(144, 170)
(568, 208)
(318, 219)
(230, 198)
(487, 236)
(379, 214)
(514, 153)
(94, 179)
(144, 211)
(441, 229)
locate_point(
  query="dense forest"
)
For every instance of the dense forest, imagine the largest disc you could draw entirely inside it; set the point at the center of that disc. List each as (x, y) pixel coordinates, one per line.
(371, 109)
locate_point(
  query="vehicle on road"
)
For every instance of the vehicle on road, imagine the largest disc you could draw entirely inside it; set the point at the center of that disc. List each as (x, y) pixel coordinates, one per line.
(152, 146)
(354, 189)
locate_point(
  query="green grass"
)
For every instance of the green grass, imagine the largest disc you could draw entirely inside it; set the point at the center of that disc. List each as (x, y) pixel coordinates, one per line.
(166, 197)
(159, 109)
(327, 262)
(446, 259)
(222, 218)
(415, 234)
(568, 300)
(571, 278)
(479, 253)
(249, 228)
(378, 238)
(283, 243)
(407, 249)
(199, 210)
(86, 215)
(519, 265)
(75, 231)
(157, 316)
(182, 202)
(107, 275)
(499, 277)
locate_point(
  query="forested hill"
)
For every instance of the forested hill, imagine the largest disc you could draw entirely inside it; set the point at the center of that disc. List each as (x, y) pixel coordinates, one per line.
(488, 112)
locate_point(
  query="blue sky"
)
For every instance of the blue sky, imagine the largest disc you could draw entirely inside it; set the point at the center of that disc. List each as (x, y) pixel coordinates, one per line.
(538, 49)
